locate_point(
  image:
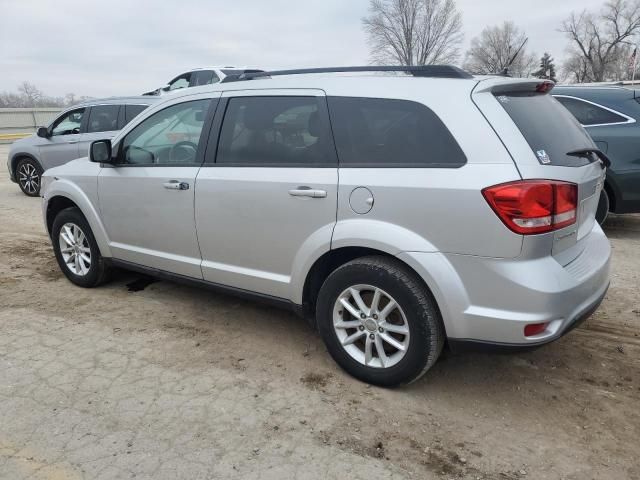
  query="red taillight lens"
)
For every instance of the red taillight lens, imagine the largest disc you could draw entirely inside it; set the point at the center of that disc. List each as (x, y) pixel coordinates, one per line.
(534, 206)
(535, 329)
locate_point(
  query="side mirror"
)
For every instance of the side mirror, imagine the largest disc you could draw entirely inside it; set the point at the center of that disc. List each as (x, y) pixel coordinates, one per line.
(43, 132)
(100, 151)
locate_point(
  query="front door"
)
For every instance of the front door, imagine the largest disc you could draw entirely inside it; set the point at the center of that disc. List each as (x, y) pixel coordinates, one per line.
(146, 199)
(268, 196)
(62, 144)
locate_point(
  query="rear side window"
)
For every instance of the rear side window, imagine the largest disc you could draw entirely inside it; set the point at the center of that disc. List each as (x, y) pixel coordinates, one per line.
(589, 114)
(548, 127)
(379, 132)
(132, 111)
(204, 77)
(276, 131)
(103, 118)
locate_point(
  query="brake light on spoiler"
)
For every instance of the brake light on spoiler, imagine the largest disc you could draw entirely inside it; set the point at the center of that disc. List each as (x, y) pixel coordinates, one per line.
(529, 207)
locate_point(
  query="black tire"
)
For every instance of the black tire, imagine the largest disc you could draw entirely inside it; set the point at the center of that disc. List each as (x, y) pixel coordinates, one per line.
(29, 176)
(427, 333)
(603, 207)
(98, 271)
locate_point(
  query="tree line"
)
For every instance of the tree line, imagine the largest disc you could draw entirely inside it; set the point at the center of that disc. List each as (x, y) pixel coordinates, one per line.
(29, 96)
(601, 44)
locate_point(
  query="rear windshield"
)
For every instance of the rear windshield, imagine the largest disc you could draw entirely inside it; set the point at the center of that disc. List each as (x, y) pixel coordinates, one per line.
(548, 127)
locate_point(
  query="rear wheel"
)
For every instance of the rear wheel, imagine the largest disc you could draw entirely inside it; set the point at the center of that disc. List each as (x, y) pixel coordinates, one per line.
(28, 174)
(379, 322)
(76, 249)
(603, 207)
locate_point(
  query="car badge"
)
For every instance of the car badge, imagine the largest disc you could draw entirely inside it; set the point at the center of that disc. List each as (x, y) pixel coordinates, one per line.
(543, 157)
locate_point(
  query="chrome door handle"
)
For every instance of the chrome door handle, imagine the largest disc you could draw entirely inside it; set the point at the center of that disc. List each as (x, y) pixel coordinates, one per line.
(307, 192)
(176, 185)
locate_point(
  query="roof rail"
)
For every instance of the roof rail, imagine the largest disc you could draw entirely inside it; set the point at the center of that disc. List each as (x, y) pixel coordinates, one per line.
(436, 71)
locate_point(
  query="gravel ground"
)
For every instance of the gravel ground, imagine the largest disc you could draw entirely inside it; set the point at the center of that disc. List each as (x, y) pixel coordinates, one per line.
(173, 382)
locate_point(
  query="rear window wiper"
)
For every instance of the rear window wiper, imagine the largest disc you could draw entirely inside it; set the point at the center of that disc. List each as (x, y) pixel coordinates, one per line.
(588, 152)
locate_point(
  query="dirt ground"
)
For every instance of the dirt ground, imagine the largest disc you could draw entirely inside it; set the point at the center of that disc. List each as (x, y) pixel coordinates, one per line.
(172, 382)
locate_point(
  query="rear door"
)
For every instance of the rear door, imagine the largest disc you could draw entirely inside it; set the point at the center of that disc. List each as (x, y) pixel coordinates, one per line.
(102, 124)
(540, 134)
(267, 197)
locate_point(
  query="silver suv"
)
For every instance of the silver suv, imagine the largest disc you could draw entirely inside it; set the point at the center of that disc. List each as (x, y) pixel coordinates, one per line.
(397, 211)
(68, 137)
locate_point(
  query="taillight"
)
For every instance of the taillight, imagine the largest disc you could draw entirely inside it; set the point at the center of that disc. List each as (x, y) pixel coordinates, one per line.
(545, 87)
(534, 206)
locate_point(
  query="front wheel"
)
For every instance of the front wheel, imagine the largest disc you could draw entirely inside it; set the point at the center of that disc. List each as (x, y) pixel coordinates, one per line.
(379, 321)
(76, 249)
(29, 174)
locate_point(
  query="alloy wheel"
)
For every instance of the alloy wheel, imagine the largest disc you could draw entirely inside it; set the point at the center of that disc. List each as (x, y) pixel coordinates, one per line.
(29, 178)
(74, 248)
(371, 326)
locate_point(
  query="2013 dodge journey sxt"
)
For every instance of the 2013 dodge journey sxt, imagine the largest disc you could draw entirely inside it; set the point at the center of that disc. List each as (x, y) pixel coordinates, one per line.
(397, 209)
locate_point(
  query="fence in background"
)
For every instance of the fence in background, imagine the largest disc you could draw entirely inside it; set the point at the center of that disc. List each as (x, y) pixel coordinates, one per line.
(19, 122)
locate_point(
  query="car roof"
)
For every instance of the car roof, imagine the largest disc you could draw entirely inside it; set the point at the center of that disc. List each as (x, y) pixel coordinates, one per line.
(595, 91)
(132, 100)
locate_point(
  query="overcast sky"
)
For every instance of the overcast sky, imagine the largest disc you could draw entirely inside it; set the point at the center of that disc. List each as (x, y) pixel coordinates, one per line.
(120, 47)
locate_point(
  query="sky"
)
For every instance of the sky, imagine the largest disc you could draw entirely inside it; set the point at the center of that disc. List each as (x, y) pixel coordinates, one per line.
(125, 47)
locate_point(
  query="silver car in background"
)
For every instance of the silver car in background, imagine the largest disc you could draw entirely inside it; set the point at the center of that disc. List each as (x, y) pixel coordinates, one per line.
(398, 208)
(68, 137)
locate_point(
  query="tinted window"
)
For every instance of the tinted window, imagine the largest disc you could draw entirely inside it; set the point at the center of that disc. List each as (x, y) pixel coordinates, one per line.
(132, 111)
(103, 118)
(203, 77)
(589, 114)
(169, 136)
(548, 127)
(276, 131)
(69, 123)
(382, 132)
(180, 82)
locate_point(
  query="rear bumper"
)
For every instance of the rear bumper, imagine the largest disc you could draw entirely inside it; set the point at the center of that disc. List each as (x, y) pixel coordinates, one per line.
(461, 345)
(488, 301)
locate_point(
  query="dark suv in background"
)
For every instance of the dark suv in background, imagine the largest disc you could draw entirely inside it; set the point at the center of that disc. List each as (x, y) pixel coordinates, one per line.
(611, 115)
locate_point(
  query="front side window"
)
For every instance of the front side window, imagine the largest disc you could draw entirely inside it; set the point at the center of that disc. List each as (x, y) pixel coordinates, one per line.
(103, 118)
(171, 136)
(391, 133)
(69, 123)
(287, 131)
(588, 113)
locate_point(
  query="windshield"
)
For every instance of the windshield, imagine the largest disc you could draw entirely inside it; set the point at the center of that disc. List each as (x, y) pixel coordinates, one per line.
(548, 127)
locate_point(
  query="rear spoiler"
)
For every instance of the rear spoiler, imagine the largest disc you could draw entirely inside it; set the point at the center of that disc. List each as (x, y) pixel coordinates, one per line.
(497, 85)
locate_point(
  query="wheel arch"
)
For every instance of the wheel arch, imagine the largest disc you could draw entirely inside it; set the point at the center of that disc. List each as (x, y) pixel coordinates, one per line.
(64, 196)
(15, 159)
(332, 259)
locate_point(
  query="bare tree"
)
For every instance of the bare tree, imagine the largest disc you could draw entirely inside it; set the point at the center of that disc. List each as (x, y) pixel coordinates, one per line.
(30, 96)
(599, 40)
(414, 32)
(500, 48)
(30, 93)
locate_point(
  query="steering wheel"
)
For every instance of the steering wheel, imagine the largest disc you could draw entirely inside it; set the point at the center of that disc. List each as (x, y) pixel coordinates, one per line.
(182, 152)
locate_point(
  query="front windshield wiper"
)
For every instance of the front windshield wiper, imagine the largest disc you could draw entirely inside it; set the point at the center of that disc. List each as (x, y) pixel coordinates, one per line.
(588, 152)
